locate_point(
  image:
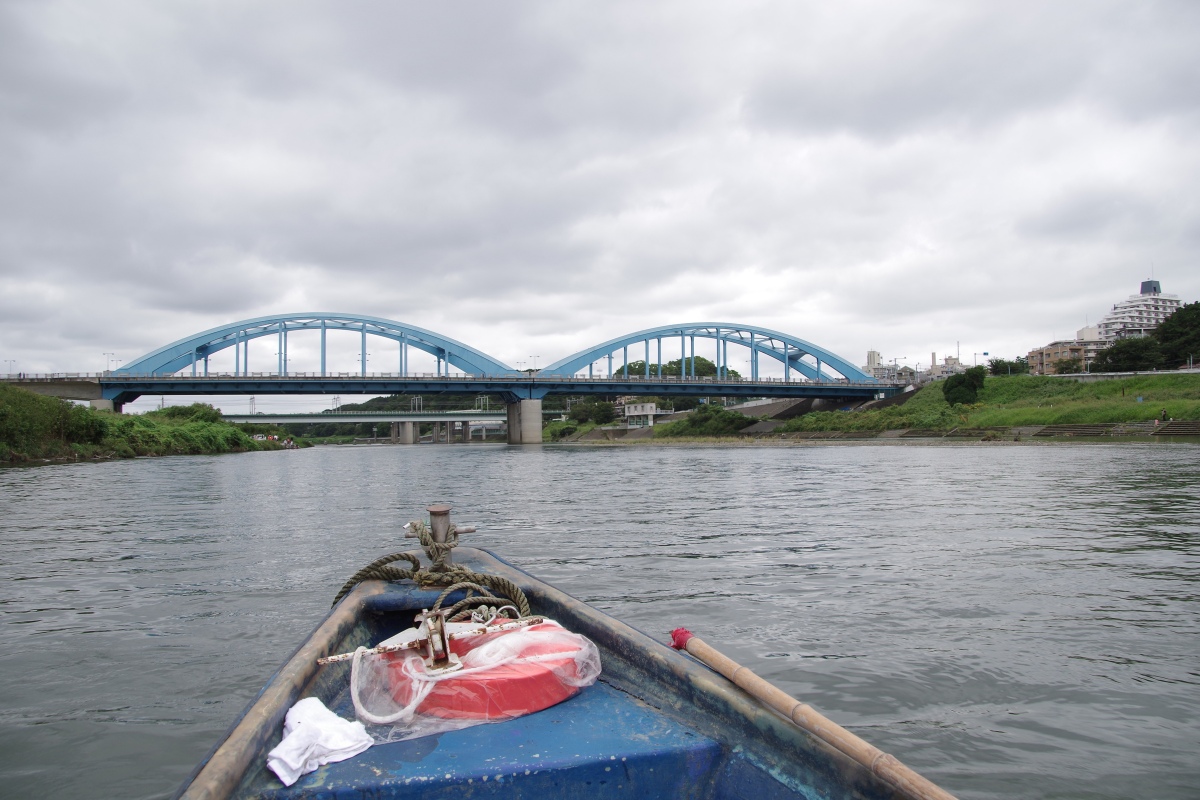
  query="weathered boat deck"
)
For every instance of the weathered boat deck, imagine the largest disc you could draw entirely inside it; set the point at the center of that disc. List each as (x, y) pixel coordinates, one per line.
(657, 724)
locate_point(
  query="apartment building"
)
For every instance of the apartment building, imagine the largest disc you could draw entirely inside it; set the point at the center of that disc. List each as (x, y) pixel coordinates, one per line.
(1139, 313)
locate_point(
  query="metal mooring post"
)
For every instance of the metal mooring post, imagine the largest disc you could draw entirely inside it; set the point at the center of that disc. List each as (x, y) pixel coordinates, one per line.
(439, 525)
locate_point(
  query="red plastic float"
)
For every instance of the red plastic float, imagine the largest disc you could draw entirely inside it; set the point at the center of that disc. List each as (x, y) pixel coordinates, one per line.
(531, 682)
(504, 674)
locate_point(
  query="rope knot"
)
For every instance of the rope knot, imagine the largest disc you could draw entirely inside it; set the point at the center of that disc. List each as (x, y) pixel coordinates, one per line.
(440, 573)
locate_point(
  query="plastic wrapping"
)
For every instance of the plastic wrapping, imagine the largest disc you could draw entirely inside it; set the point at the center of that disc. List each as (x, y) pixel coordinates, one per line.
(504, 675)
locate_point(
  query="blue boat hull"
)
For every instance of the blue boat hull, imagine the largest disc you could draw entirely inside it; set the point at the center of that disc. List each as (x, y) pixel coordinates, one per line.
(657, 724)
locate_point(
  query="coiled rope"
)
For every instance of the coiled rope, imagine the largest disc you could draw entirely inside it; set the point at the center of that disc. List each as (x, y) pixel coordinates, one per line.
(494, 592)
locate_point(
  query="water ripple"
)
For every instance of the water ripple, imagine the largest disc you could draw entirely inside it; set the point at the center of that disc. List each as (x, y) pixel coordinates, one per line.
(1014, 622)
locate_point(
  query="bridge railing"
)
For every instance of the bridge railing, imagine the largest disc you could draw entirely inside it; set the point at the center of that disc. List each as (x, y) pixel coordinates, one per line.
(426, 376)
(336, 416)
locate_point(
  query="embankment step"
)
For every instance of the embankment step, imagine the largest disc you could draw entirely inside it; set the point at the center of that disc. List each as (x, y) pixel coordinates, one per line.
(1179, 427)
(977, 433)
(1135, 428)
(1098, 429)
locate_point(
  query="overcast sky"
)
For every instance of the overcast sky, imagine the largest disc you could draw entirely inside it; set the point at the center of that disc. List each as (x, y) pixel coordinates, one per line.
(533, 178)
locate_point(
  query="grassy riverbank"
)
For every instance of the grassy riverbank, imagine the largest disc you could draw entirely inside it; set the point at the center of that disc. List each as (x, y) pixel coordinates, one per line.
(33, 427)
(1024, 400)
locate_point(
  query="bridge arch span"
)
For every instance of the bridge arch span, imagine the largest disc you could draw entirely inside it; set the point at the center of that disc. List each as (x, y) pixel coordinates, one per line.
(812, 362)
(194, 350)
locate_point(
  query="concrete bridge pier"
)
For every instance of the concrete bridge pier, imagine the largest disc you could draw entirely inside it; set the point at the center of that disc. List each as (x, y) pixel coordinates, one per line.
(402, 433)
(525, 422)
(105, 405)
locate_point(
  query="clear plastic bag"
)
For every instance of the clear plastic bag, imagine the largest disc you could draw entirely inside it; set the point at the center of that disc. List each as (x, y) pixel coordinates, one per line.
(504, 675)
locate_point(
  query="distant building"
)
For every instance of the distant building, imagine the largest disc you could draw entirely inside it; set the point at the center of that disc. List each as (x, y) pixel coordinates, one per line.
(949, 366)
(875, 366)
(1083, 348)
(1138, 315)
(640, 415)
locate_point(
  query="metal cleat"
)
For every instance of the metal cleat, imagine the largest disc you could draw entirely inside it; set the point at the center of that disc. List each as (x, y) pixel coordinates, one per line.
(438, 657)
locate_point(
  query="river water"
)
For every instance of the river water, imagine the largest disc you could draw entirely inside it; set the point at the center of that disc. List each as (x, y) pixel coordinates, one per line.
(1012, 621)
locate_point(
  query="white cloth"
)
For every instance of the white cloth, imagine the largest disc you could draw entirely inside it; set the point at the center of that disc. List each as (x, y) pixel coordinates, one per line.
(312, 736)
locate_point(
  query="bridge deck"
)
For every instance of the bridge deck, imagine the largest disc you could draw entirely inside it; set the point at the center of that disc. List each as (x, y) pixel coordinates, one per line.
(457, 415)
(123, 387)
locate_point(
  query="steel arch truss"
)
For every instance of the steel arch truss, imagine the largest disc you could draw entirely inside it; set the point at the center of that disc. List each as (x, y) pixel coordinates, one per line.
(195, 350)
(812, 362)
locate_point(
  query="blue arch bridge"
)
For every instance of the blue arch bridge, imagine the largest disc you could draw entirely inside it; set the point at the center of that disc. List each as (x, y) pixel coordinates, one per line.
(627, 365)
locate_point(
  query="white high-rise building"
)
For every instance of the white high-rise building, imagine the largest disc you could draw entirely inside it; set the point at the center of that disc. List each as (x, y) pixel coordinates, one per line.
(1140, 314)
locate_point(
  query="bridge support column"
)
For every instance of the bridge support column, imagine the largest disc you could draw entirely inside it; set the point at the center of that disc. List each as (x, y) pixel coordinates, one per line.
(402, 433)
(525, 422)
(105, 405)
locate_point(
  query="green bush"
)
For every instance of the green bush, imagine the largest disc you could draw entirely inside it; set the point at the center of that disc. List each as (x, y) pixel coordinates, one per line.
(196, 412)
(30, 423)
(706, 420)
(32, 426)
(963, 389)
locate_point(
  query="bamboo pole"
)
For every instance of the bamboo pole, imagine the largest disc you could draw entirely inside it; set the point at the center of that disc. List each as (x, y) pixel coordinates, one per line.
(886, 767)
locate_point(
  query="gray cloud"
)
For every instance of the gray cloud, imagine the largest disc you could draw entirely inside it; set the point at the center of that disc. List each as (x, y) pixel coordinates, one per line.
(892, 69)
(534, 178)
